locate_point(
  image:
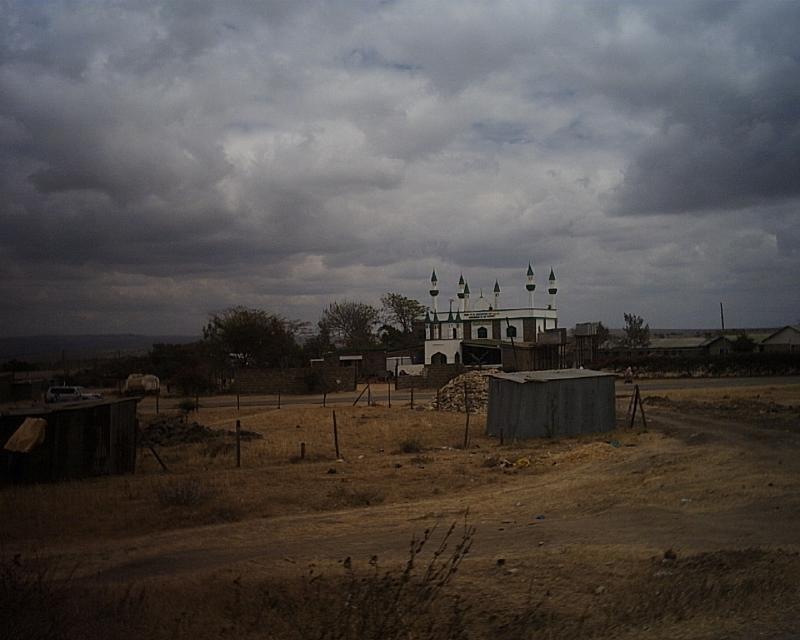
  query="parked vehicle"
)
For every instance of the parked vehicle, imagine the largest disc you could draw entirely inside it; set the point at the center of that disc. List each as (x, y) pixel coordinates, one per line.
(70, 394)
(141, 384)
(63, 394)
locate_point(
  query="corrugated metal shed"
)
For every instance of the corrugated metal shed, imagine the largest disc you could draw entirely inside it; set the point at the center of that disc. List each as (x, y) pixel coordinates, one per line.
(559, 402)
(96, 437)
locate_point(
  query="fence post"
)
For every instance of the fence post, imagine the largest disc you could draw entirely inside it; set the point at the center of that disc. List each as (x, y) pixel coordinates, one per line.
(238, 405)
(324, 398)
(238, 444)
(302, 450)
(336, 436)
(466, 410)
(389, 389)
(412, 397)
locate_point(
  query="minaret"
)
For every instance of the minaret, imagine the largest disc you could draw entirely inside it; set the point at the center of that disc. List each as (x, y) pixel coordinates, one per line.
(461, 292)
(552, 289)
(466, 296)
(434, 291)
(496, 294)
(531, 286)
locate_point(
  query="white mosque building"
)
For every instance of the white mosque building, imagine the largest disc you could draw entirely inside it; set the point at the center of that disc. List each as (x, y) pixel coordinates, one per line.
(474, 332)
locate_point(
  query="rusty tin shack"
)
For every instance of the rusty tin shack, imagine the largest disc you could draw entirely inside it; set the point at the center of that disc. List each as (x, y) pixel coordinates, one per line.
(559, 402)
(79, 439)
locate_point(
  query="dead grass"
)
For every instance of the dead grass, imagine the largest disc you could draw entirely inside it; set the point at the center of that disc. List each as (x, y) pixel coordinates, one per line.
(203, 487)
(546, 587)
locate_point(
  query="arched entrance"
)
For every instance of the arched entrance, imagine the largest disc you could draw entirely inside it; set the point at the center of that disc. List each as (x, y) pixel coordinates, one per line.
(438, 358)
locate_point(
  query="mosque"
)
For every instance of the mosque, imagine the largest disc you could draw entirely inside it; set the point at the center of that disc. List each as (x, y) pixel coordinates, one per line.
(475, 332)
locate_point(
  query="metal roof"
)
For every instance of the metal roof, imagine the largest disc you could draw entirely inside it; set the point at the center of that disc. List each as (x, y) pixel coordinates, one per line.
(58, 407)
(551, 375)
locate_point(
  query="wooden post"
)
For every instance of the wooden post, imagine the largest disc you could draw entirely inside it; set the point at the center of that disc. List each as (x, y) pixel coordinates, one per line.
(412, 397)
(152, 450)
(336, 436)
(466, 410)
(238, 444)
(389, 389)
(369, 394)
(363, 391)
(637, 401)
(238, 402)
(302, 450)
(324, 398)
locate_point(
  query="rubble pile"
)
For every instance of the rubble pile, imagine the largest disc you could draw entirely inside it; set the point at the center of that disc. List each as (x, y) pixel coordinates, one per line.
(451, 395)
(168, 431)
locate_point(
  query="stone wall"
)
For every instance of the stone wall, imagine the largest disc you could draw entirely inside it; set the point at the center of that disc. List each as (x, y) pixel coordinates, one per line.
(303, 380)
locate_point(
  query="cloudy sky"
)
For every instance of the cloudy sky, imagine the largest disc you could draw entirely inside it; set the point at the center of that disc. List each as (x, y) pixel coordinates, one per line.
(164, 160)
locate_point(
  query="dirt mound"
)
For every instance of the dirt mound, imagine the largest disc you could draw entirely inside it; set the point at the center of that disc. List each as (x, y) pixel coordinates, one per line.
(168, 431)
(451, 395)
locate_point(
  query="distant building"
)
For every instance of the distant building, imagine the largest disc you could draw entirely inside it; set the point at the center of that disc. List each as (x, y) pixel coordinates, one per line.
(786, 340)
(476, 331)
(672, 347)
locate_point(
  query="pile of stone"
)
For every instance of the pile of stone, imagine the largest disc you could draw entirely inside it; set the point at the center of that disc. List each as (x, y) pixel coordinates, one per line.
(451, 395)
(168, 431)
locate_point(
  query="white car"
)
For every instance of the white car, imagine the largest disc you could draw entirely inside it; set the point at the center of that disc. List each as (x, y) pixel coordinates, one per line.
(70, 394)
(64, 394)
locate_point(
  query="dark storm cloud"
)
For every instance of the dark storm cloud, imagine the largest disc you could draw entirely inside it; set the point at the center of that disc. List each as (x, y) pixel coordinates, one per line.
(162, 159)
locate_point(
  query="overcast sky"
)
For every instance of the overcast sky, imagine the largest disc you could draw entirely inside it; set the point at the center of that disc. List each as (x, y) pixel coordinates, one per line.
(160, 161)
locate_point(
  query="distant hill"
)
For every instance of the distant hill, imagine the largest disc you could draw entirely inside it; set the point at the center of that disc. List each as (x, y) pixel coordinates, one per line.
(50, 347)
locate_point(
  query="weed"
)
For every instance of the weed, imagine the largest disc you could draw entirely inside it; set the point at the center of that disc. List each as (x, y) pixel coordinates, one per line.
(183, 493)
(412, 445)
(412, 602)
(38, 603)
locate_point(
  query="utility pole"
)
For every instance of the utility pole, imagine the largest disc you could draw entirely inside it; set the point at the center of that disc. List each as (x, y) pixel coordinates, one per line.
(722, 317)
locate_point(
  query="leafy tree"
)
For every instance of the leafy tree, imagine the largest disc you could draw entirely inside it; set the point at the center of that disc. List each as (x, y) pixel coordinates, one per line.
(743, 344)
(637, 333)
(252, 337)
(401, 312)
(351, 323)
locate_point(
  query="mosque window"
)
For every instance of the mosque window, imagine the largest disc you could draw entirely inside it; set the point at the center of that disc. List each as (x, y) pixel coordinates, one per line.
(483, 332)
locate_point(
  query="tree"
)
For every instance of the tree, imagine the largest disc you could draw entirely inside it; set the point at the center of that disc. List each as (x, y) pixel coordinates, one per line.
(743, 344)
(351, 323)
(401, 312)
(637, 333)
(253, 337)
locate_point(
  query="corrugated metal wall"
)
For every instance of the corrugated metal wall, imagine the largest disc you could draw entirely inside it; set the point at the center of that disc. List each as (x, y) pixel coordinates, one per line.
(80, 441)
(550, 409)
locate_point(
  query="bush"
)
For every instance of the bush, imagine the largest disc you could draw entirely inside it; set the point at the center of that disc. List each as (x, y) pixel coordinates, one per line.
(183, 493)
(412, 445)
(187, 405)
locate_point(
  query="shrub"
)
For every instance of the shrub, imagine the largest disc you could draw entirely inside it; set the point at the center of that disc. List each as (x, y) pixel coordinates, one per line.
(183, 493)
(187, 405)
(411, 445)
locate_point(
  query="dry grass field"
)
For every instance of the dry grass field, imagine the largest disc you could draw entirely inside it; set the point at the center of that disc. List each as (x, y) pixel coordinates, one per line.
(688, 529)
